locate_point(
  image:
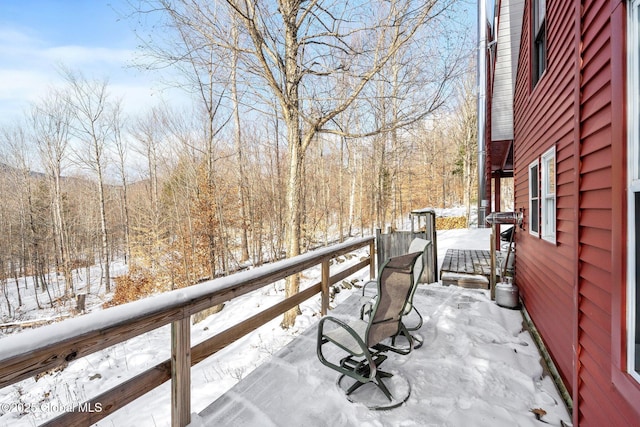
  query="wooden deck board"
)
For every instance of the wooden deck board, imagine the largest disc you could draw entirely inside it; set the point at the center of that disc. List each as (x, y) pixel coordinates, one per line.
(463, 267)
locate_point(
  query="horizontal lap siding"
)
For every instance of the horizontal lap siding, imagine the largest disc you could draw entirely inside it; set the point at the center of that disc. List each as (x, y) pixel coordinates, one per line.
(595, 412)
(595, 238)
(565, 209)
(544, 118)
(552, 276)
(599, 403)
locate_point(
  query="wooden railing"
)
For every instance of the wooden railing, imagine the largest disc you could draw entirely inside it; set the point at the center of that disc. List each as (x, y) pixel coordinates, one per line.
(33, 352)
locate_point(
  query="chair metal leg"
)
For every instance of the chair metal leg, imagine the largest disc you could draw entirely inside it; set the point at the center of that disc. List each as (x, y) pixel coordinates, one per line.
(420, 320)
(381, 385)
(354, 387)
(363, 369)
(378, 382)
(389, 401)
(418, 341)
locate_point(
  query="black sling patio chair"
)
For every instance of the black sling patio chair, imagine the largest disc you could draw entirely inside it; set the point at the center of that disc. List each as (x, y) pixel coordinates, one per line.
(367, 342)
(417, 245)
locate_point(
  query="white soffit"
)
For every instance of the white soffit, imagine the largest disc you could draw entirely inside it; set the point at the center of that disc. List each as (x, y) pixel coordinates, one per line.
(509, 29)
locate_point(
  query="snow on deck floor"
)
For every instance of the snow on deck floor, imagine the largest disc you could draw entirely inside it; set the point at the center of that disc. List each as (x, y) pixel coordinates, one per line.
(477, 367)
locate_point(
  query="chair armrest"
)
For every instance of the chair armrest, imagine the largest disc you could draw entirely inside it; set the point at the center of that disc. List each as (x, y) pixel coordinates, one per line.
(367, 283)
(366, 308)
(345, 335)
(346, 338)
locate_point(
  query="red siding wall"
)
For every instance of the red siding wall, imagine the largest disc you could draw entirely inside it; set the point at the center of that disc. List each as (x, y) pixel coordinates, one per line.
(600, 403)
(544, 117)
(595, 237)
(572, 289)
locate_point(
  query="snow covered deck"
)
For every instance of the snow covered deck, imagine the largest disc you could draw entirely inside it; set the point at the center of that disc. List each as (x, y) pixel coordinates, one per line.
(478, 366)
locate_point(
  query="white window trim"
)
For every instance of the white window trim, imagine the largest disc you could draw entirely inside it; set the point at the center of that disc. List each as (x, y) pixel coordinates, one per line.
(534, 164)
(547, 220)
(633, 174)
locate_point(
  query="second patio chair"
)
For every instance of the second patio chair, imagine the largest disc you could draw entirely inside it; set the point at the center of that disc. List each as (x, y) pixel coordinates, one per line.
(366, 343)
(417, 245)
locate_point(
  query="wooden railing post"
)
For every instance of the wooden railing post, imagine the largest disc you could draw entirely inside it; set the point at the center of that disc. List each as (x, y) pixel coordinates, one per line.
(325, 288)
(181, 372)
(372, 259)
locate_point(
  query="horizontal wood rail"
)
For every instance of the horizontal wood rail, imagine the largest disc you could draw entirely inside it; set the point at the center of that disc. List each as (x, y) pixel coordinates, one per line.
(32, 352)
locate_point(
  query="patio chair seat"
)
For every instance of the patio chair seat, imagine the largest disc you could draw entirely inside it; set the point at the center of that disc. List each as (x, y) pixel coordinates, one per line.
(343, 339)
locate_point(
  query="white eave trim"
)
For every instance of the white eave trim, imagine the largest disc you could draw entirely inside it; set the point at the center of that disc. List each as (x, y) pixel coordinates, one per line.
(507, 49)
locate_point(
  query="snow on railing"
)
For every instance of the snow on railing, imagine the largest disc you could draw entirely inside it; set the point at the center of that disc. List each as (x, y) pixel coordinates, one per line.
(33, 352)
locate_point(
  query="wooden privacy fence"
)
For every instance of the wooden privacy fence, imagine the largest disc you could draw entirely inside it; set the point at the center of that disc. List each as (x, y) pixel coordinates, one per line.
(33, 352)
(397, 242)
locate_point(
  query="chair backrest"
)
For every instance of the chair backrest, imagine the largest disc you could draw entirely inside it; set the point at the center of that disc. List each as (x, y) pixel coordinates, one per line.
(417, 245)
(395, 283)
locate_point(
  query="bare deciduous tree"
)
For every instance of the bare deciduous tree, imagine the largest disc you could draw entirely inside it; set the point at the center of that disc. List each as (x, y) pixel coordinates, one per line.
(50, 120)
(30, 205)
(121, 149)
(298, 49)
(467, 138)
(93, 125)
(302, 52)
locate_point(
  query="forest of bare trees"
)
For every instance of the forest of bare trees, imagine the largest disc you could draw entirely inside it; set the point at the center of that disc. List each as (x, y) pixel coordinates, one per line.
(312, 121)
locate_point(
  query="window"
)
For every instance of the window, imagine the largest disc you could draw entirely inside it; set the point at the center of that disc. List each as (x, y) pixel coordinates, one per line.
(548, 193)
(542, 196)
(633, 196)
(539, 36)
(534, 199)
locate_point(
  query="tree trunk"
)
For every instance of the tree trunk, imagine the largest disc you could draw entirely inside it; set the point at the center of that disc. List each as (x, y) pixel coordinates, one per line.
(103, 231)
(294, 216)
(340, 193)
(152, 159)
(353, 165)
(61, 233)
(122, 150)
(15, 278)
(291, 106)
(468, 178)
(3, 285)
(242, 178)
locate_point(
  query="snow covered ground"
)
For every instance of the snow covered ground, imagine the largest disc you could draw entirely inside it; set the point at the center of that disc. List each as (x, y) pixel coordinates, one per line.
(477, 366)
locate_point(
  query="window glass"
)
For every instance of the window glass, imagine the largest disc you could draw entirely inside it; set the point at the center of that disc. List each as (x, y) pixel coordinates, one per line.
(539, 47)
(539, 11)
(551, 172)
(534, 199)
(535, 226)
